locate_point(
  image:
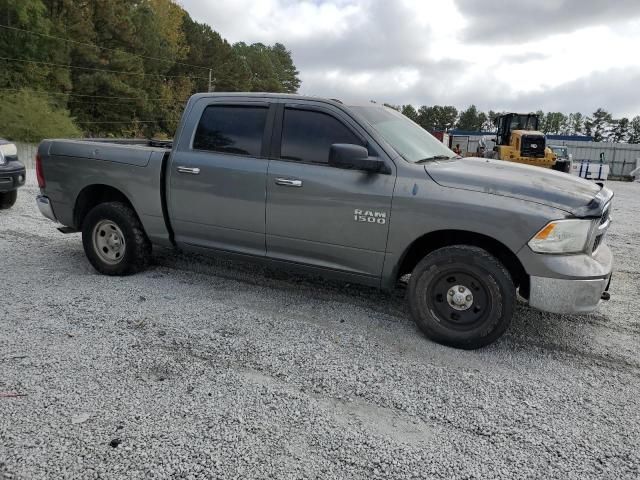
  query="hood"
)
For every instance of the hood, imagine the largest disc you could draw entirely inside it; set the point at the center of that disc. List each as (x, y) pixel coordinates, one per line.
(535, 184)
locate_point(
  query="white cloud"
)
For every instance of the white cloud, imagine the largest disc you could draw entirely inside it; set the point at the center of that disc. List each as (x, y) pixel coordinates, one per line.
(446, 52)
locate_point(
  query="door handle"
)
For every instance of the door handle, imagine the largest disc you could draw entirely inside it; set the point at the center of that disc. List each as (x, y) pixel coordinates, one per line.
(287, 182)
(192, 171)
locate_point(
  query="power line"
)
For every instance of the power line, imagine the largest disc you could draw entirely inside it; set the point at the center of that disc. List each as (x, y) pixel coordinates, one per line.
(106, 70)
(101, 104)
(123, 101)
(46, 92)
(128, 122)
(31, 32)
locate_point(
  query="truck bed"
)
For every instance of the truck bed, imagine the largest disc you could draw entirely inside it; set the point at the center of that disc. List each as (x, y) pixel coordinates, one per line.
(131, 152)
(134, 167)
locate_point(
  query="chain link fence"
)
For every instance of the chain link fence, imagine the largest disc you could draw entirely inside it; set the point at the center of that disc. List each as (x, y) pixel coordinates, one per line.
(622, 158)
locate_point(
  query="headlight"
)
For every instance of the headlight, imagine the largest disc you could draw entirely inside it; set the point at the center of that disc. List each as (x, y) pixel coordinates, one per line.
(7, 150)
(562, 236)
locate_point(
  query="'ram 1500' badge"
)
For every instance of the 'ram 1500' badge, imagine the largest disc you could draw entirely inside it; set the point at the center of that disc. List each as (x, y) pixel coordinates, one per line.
(369, 216)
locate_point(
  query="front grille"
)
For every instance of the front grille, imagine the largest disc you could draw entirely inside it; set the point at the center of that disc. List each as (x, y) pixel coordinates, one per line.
(532, 147)
(597, 243)
(602, 228)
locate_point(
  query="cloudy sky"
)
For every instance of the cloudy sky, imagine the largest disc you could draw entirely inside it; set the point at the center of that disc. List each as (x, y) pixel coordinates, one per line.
(554, 55)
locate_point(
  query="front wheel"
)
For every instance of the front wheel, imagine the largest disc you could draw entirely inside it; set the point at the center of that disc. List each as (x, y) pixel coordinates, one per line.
(114, 240)
(461, 296)
(8, 199)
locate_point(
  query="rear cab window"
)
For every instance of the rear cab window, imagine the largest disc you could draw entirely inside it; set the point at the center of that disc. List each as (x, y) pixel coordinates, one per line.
(231, 129)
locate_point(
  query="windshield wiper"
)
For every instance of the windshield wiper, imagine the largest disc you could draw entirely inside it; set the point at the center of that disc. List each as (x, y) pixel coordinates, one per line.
(434, 157)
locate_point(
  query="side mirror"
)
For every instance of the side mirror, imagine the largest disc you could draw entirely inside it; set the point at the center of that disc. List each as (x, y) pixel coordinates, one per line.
(353, 157)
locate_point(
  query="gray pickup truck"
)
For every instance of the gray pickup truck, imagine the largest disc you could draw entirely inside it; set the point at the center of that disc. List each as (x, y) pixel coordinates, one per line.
(360, 193)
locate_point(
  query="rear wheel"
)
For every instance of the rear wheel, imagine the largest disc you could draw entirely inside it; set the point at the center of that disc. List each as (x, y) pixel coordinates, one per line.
(8, 199)
(461, 296)
(114, 240)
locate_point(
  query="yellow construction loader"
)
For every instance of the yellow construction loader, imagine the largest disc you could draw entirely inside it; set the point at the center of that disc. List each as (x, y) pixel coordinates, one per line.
(519, 140)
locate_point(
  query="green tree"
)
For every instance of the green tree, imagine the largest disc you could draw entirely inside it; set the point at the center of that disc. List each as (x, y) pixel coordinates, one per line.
(263, 73)
(33, 56)
(575, 123)
(447, 117)
(410, 112)
(427, 117)
(27, 116)
(483, 119)
(437, 117)
(285, 70)
(125, 67)
(542, 121)
(470, 119)
(490, 124)
(600, 125)
(588, 126)
(620, 130)
(554, 122)
(634, 130)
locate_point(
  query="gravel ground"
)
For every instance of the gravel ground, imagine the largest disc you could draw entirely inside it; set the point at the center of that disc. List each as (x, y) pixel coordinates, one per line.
(200, 368)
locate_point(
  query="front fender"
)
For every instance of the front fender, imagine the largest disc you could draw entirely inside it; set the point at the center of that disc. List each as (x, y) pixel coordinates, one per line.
(422, 206)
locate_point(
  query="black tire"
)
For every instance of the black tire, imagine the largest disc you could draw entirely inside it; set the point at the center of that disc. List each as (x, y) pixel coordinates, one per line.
(8, 199)
(562, 166)
(119, 221)
(481, 312)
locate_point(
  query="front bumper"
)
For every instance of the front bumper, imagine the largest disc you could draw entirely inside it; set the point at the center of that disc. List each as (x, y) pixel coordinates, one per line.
(567, 283)
(44, 205)
(12, 177)
(566, 296)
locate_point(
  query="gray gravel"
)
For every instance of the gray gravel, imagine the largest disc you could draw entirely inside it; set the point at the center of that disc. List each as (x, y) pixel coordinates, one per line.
(200, 368)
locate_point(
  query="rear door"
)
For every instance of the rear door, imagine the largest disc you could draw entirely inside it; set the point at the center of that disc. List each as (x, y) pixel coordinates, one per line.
(321, 215)
(218, 174)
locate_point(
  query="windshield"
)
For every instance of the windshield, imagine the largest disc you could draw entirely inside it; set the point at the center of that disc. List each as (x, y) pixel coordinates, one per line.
(409, 139)
(524, 122)
(560, 151)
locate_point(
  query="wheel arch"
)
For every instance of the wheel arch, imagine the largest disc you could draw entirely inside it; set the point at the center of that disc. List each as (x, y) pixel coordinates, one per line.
(431, 241)
(93, 195)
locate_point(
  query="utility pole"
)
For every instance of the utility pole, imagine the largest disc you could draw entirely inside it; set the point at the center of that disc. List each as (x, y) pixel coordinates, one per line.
(210, 76)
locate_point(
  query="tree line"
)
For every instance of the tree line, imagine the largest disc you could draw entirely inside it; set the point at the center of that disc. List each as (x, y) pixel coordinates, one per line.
(118, 67)
(600, 125)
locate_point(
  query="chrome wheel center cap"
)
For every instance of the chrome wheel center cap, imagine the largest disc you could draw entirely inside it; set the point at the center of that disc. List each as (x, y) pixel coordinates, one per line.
(459, 297)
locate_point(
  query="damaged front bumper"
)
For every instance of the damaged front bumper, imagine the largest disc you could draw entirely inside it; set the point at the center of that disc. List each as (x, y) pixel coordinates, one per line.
(567, 283)
(567, 296)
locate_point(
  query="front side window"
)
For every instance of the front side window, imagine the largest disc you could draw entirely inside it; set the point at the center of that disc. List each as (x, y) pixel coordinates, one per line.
(233, 129)
(308, 135)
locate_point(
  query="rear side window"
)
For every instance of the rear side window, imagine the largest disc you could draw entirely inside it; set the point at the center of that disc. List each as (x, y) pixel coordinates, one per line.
(307, 135)
(231, 129)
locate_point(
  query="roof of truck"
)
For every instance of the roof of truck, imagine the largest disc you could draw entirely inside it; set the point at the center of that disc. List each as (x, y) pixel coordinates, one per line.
(292, 96)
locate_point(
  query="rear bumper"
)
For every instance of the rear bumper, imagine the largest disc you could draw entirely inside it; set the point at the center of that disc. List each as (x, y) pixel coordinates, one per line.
(44, 205)
(566, 296)
(12, 177)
